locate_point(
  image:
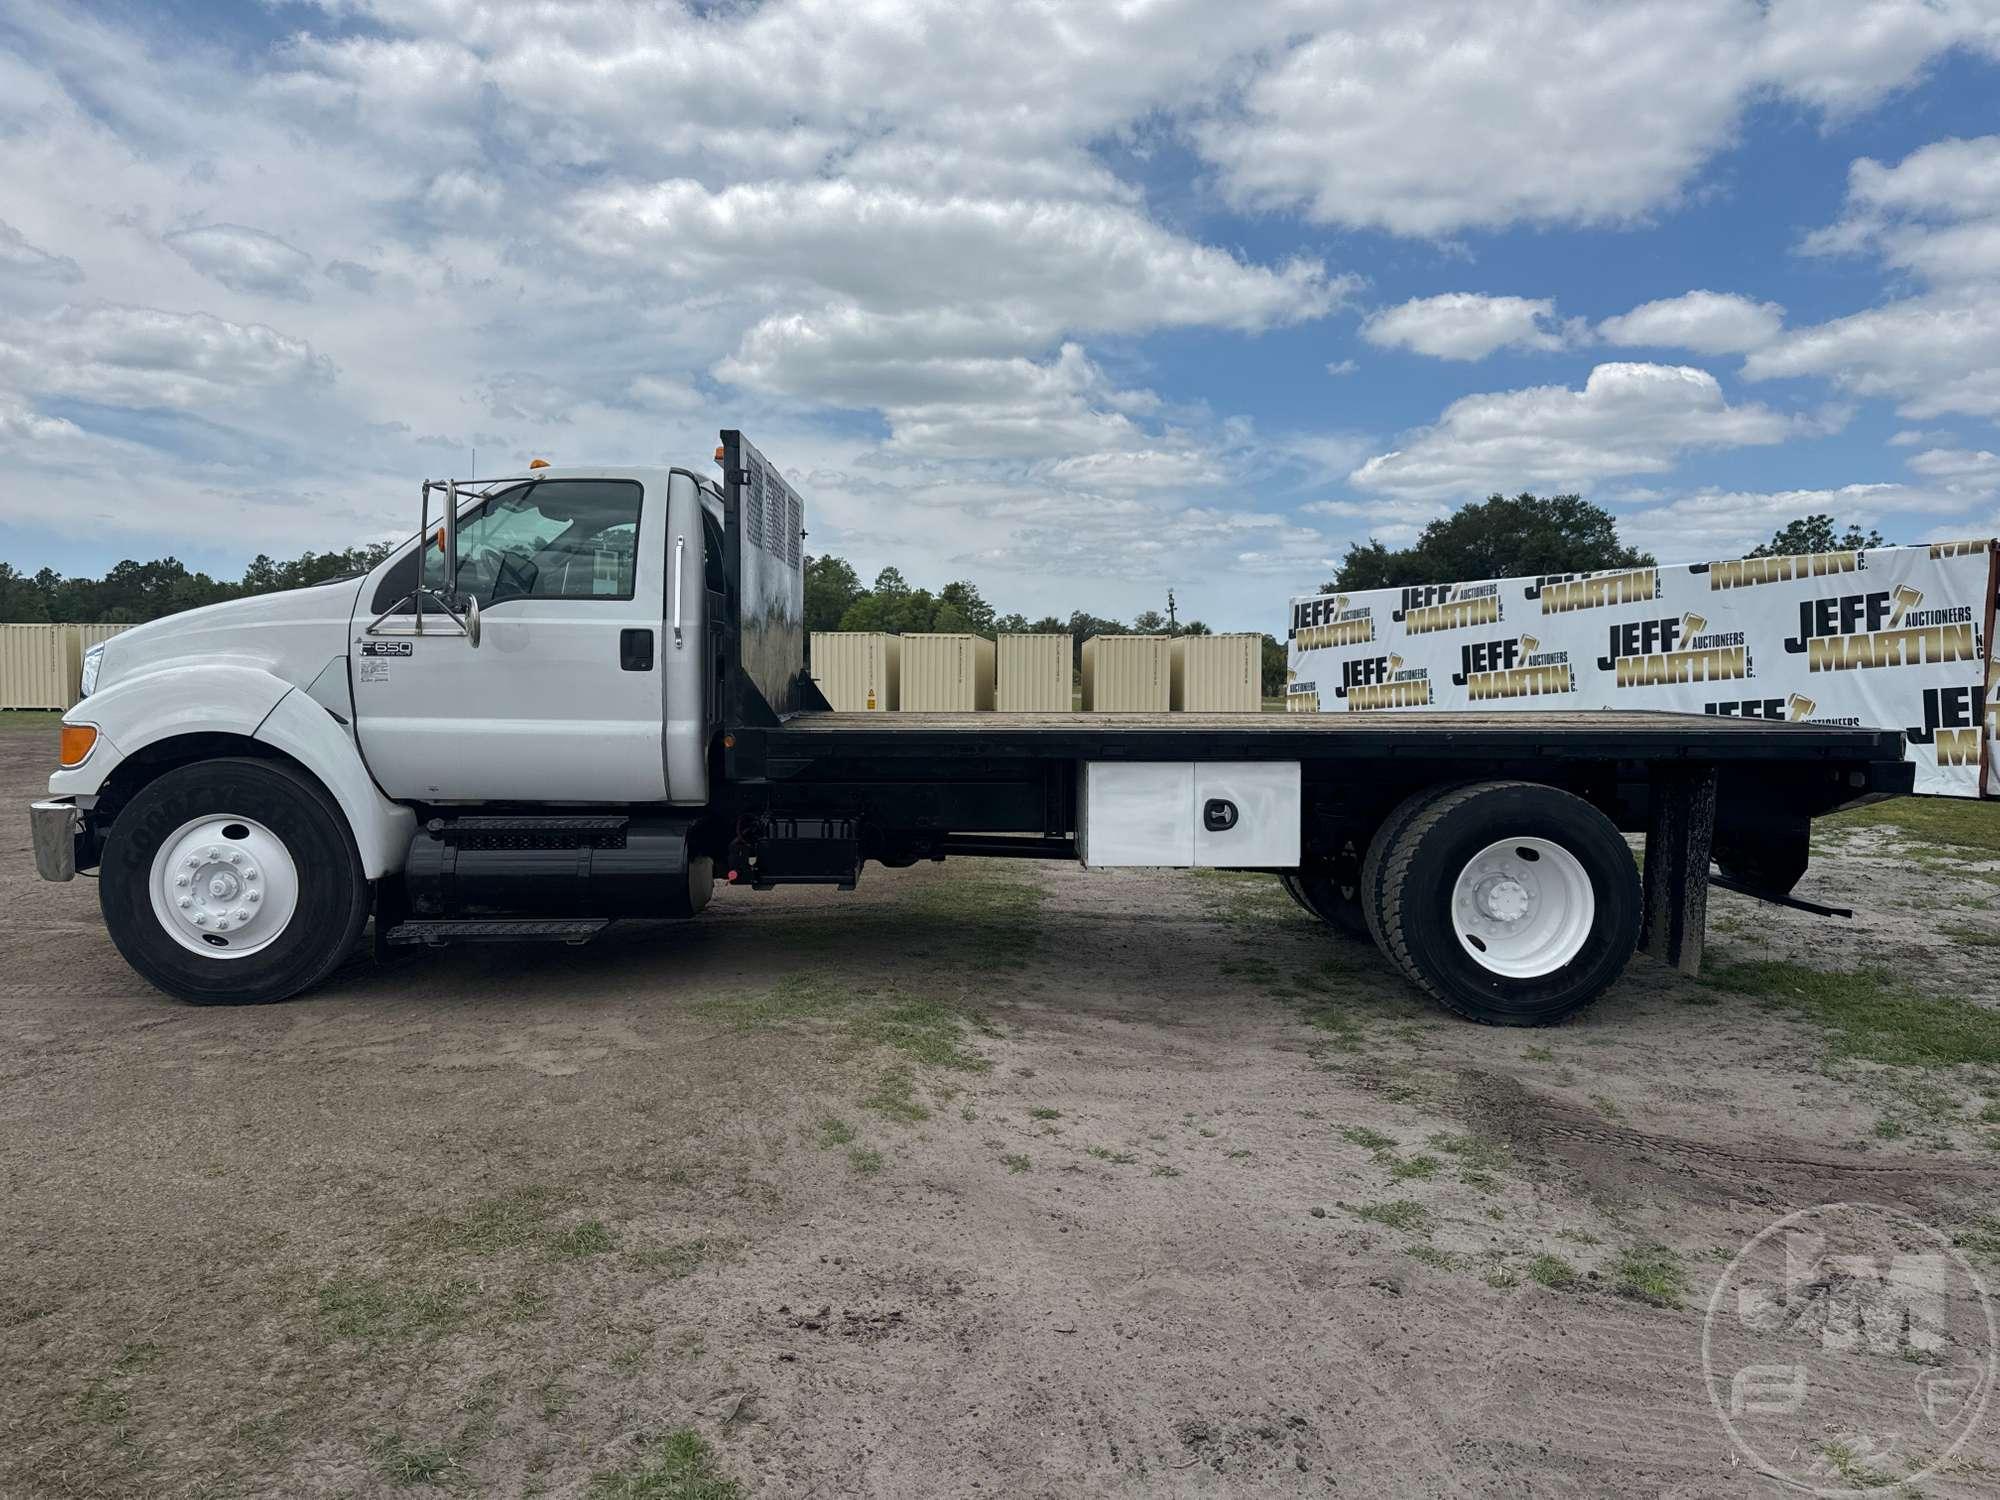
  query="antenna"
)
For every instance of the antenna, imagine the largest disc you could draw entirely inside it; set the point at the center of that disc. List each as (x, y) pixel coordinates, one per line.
(1170, 610)
(475, 463)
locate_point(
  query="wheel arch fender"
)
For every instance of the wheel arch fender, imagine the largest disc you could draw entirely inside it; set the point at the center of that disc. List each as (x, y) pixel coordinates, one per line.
(226, 701)
(303, 730)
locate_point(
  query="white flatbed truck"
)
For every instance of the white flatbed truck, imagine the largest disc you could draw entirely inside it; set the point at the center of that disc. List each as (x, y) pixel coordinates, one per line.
(581, 695)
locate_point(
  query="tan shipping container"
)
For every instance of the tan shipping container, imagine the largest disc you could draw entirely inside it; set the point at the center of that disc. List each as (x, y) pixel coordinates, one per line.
(1033, 674)
(946, 674)
(1219, 674)
(1127, 674)
(41, 665)
(857, 670)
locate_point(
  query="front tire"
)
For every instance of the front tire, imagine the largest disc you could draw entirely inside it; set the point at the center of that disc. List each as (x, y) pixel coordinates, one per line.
(232, 882)
(1508, 902)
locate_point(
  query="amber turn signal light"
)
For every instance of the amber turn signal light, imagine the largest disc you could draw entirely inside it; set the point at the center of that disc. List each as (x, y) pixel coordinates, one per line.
(78, 740)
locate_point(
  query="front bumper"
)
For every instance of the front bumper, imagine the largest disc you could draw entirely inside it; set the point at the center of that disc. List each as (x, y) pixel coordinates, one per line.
(55, 824)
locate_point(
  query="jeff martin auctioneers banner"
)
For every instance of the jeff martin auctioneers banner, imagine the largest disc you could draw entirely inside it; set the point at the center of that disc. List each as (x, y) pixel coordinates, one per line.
(1893, 638)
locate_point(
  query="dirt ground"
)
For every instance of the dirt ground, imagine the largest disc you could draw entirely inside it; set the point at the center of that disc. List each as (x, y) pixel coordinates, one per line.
(996, 1181)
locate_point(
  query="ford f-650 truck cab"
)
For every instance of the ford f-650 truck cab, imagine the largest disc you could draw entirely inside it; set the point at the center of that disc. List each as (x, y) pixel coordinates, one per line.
(581, 695)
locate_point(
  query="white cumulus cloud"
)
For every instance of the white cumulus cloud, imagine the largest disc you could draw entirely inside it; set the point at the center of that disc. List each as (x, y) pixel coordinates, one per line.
(1627, 419)
(1705, 322)
(1465, 325)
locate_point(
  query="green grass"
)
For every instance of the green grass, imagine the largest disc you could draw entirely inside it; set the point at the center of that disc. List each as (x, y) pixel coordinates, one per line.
(30, 721)
(491, 1225)
(679, 1466)
(1553, 1271)
(1411, 1218)
(1161, 1169)
(1872, 1014)
(1042, 1112)
(403, 1465)
(1116, 1158)
(1372, 1140)
(865, 1160)
(925, 1031)
(1650, 1273)
(1972, 937)
(835, 1132)
(1417, 1168)
(1936, 820)
(580, 1240)
(895, 1095)
(1016, 1162)
(1430, 1255)
(374, 1309)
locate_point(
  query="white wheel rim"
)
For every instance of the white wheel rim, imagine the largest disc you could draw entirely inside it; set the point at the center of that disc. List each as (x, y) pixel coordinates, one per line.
(1523, 907)
(224, 886)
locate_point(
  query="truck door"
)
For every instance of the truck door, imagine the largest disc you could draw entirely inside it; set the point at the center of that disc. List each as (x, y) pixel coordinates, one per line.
(561, 700)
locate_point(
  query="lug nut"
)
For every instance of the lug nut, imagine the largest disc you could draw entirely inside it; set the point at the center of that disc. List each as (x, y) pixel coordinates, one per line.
(235, 858)
(253, 898)
(186, 902)
(201, 919)
(240, 914)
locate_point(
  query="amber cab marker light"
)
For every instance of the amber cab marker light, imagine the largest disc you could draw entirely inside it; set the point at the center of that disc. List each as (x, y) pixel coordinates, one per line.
(538, 463)
(78, 740)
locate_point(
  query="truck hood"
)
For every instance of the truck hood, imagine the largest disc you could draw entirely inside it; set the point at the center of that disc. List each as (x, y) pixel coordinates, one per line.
(292, 635)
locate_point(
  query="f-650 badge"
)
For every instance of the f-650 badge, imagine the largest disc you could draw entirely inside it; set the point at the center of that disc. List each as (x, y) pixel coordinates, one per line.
(387, 648)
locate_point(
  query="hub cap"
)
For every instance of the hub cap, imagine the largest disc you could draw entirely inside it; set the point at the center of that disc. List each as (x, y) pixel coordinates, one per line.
(1523, 908)
(224, 886)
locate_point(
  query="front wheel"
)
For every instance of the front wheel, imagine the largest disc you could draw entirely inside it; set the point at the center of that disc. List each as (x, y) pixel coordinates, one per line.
(1511, 903)
(232, 882)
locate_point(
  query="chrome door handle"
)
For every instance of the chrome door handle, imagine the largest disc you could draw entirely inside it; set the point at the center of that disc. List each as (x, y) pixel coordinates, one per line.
(680, 551)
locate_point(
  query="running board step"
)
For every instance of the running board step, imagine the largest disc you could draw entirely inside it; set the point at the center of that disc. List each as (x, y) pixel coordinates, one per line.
(440, 934)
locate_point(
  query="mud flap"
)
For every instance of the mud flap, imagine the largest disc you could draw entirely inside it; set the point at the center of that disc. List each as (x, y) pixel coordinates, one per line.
(1679, 831)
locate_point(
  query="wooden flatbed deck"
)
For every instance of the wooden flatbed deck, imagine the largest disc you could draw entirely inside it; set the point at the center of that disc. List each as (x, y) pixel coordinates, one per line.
(1622, 734)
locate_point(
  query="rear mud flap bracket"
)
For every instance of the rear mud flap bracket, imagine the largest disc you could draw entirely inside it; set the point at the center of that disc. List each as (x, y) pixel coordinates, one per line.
(1679, 830)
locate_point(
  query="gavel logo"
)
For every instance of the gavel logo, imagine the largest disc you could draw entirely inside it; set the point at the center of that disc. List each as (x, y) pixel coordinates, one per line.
(1906, 599)
(1798, 708)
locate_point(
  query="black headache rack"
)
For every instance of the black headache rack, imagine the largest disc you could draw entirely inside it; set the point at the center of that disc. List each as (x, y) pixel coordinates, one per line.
(763, 537)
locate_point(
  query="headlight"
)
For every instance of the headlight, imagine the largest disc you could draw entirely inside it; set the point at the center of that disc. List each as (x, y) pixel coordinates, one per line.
(93, 659)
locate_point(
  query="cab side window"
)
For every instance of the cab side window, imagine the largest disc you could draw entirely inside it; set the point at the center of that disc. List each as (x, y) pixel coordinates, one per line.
(558, 539)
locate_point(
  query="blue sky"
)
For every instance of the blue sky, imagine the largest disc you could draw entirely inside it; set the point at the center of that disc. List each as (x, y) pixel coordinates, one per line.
(1077, 301)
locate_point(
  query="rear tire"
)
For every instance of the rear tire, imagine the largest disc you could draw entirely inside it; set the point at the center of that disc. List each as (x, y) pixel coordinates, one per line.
(1376, 860)
(189, 862)
(1508, 902)
(1331, 891)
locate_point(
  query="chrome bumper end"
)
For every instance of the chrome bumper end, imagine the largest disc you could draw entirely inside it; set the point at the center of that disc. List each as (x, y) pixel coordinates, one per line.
(55, 825)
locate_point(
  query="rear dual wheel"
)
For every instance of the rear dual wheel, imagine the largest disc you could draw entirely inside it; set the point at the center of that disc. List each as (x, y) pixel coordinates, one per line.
(1331, 891)
(1508, 902)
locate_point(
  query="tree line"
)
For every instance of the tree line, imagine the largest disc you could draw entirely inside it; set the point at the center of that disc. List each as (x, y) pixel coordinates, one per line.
(1531, 536)
(134, 592)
